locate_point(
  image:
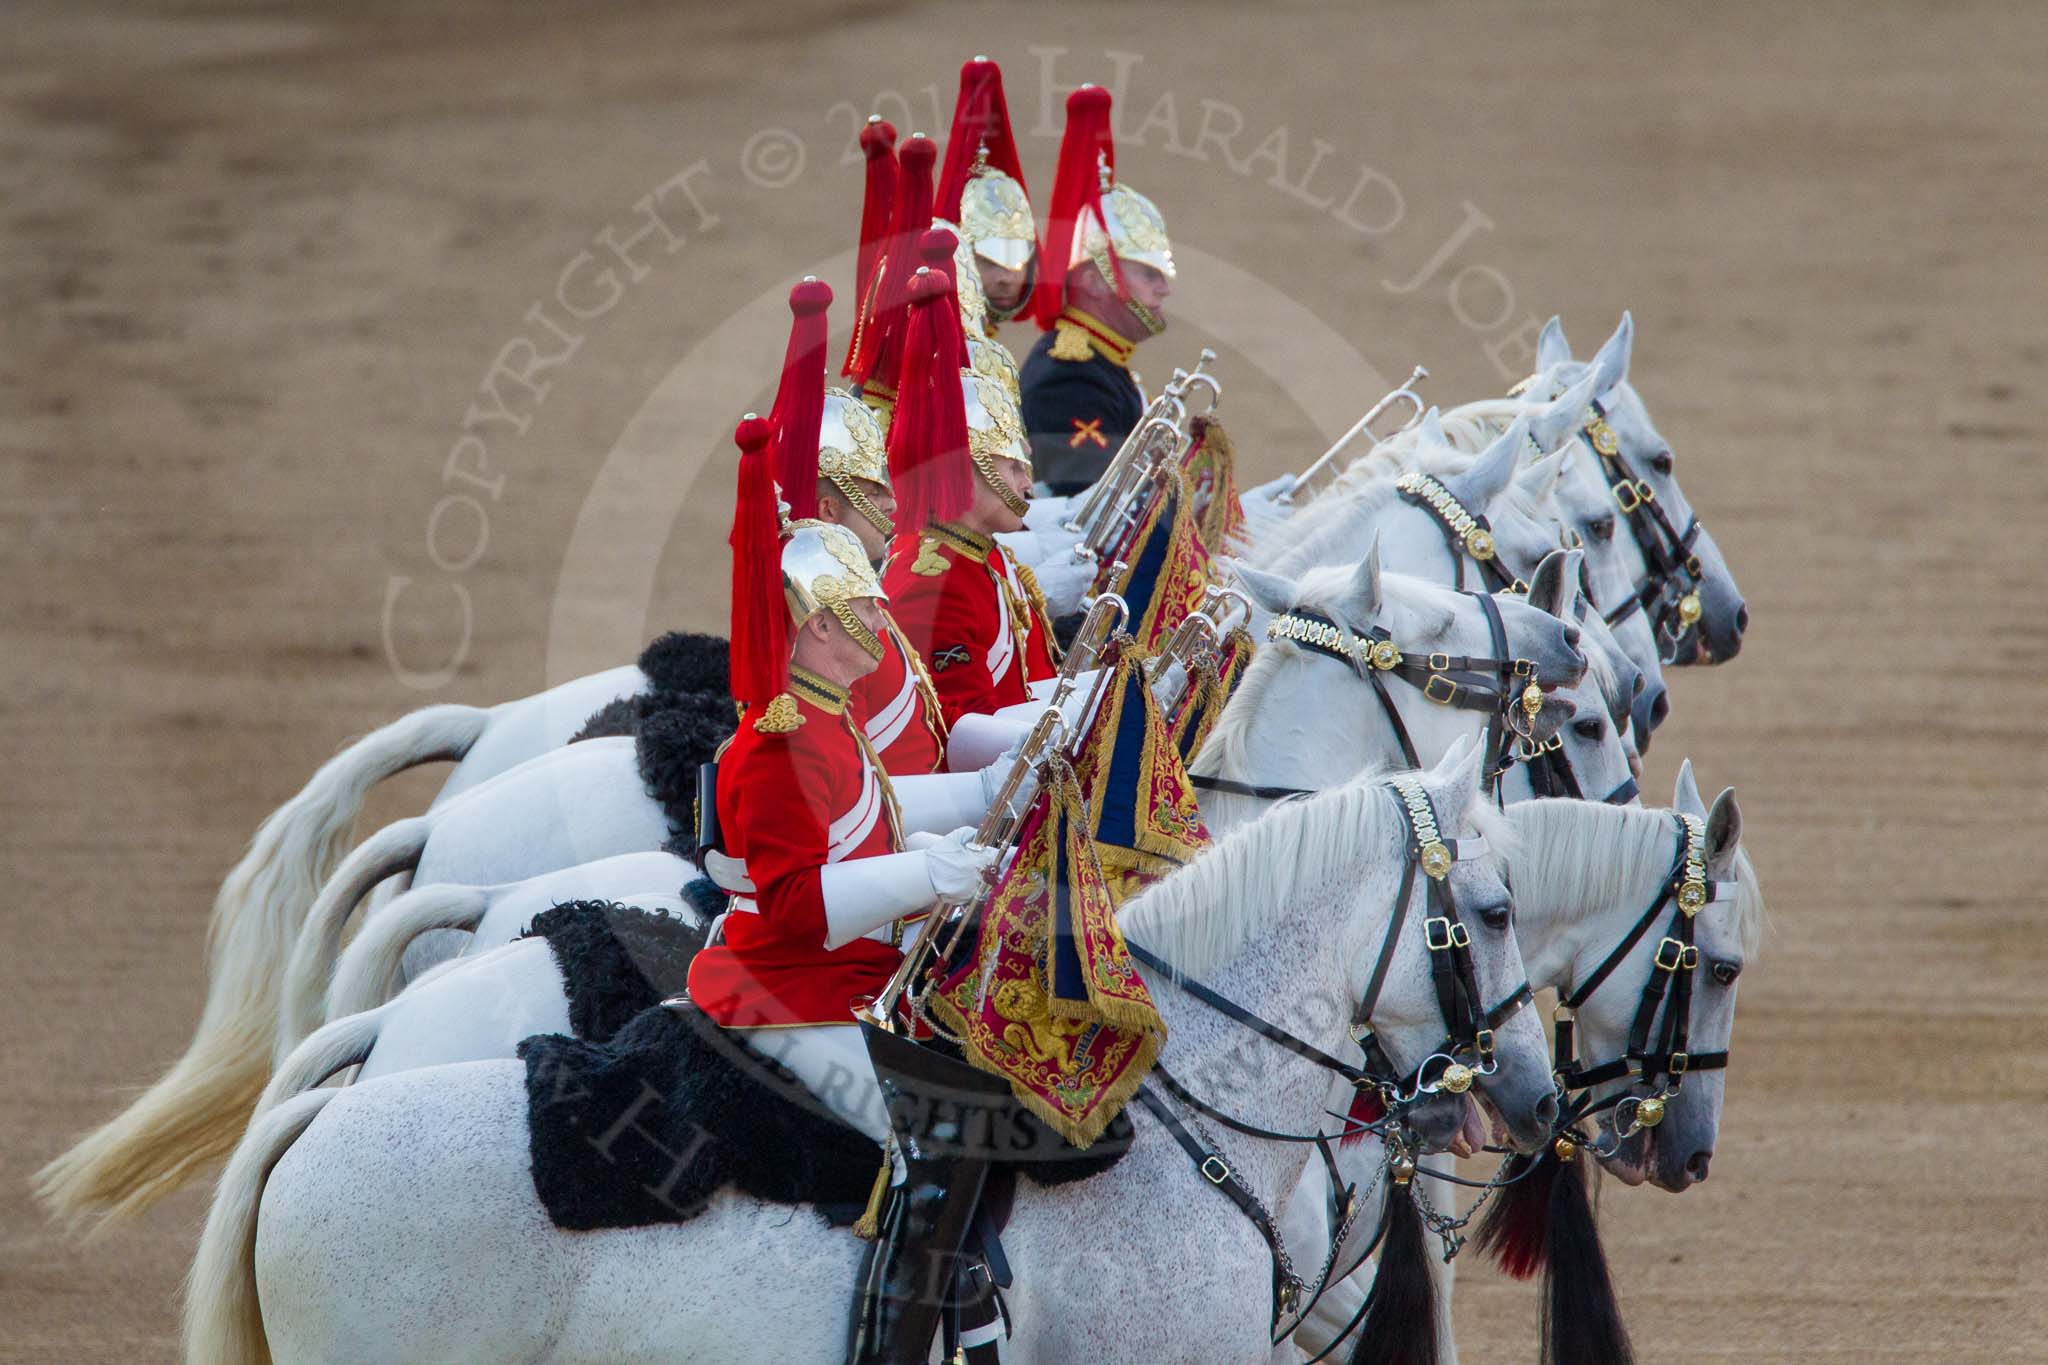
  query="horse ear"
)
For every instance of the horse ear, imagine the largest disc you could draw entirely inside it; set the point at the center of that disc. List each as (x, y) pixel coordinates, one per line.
(1456, 778)
(1554, 425)
(1494, 470)
(1366, 598)
(1555, 582)
(1610, 367)
(1724, 833)
(1432, 428)
(1540, 479)
(1267, 590)
(1685, 794)
(1551, 347)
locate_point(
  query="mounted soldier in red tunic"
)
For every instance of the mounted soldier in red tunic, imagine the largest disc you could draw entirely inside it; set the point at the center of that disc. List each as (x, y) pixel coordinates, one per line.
(962, 472)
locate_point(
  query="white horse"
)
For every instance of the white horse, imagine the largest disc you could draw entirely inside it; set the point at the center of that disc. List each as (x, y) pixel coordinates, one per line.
(1303, 719)
(403, 1224)
(1647, 457)
(1585, 873)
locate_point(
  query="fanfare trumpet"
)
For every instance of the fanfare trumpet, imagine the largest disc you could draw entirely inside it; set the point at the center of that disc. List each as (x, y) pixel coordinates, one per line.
(1405, 393)
(1158, 437)
(1197, 634)
(1000, 825)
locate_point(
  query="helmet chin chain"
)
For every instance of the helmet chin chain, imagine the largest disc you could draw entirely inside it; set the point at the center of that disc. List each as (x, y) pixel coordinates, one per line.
(986, 467)
(861, 503)
(1151, 321)
(869, 641)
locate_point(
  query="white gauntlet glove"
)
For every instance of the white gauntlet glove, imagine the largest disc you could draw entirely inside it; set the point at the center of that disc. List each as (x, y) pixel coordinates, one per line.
(956, 865)
(1065, 580)
(998, 772)
(1048, 512)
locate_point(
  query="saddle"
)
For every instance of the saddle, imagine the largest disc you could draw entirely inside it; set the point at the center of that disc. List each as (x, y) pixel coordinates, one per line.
(647, 1126)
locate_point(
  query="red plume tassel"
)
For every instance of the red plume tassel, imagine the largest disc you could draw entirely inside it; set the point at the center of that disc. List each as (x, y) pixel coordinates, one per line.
(878, 203)
(760, 621)
(1076, 191)
(799, 408)
(981, 118)
(928, 464)
(881, 341)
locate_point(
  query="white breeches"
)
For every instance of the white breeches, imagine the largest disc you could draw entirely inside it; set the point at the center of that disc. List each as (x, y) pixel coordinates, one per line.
(832, 1060)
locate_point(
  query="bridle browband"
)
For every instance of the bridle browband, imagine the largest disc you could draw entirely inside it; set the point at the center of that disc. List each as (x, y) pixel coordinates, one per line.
(1462, 681)
(1467, 534)
(1687, 890)
(1469, 1033)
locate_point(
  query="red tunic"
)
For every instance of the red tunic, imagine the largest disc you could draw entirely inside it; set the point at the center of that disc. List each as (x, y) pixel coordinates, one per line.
(969, 614)
(898, 711)
(789, 803)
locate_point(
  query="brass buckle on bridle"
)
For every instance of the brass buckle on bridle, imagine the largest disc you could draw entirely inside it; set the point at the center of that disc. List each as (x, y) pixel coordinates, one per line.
(1441, 933)
(1449, 693)
(1214, 1169)
(1682, 955)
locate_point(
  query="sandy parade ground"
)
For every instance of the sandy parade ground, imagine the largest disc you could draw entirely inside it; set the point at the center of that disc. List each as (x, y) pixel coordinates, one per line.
(353, 358)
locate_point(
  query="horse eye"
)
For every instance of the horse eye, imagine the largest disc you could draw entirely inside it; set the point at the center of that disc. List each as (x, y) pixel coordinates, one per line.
(1590, 728)
(1602, 528)
(1497, 916)
(1661, 462)
(1725, 972)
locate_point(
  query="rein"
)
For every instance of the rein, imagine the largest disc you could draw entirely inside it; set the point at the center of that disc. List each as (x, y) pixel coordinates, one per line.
(1469, 1032)
(1687, 890)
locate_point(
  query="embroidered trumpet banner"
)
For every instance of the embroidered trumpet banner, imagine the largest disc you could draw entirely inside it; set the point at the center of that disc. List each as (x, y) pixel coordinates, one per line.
(1209, 470)
(1166, 569)
(1073, 1055)
(1144, 816)
(1216, 677)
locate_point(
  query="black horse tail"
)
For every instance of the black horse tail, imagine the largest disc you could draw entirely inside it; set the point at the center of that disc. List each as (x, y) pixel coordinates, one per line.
(1515, 1230)
(1581, 1321)
(1399, 1327)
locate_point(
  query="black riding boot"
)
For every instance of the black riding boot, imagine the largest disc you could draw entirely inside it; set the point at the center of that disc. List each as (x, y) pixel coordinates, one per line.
(911, 1265)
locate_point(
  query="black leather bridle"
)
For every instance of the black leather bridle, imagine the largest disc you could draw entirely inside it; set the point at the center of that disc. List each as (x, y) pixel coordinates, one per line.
(1465, 682)
(1468, 1023)
(1657, 1054)
(1669, 592)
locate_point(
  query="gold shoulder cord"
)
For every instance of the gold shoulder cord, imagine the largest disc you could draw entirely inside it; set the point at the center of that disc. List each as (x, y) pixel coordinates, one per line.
(780, 716)
(1070, 341)
(889, 806)
(1040, 615)
(931, 560)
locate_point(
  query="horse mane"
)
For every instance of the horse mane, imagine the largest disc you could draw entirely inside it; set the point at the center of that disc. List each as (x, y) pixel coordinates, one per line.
(1204, 914)
(1584, 854)
(1223, 753)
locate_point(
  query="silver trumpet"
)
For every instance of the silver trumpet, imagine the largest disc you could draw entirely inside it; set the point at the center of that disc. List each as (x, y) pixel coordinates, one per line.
(1405, 393)
(1000, 825)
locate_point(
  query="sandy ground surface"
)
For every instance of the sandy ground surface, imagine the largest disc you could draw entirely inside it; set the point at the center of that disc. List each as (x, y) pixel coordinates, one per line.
(260, 261)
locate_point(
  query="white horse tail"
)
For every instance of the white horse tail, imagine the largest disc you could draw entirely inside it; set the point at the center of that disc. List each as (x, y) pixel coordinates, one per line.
(223, 1319)
(344, 1043)
(193, 1114)
(368, 972)
(394, 848)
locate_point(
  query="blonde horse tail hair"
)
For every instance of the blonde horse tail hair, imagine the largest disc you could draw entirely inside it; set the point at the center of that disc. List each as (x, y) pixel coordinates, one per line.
(192, 1115)
(223, 1319)
(368, 972)
(394, 848)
